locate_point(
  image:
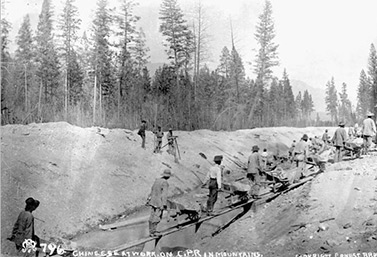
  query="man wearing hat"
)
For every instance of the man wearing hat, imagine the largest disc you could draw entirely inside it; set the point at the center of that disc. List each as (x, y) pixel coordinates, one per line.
(368, 131)
(171, 146)
(300, 154)
(23, 229)
(214, 185)
(157, 199)
(141, 132)
(159, 134)
(253, 171)
(339, 140)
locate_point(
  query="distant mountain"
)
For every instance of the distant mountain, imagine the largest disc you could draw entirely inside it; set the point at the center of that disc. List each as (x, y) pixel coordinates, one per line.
(318, 95)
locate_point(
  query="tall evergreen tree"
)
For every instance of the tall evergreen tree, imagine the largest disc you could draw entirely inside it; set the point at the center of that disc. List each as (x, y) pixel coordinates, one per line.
(69, 24)
(180, 45)
(372, 72)
(25, 51)
(225, 62)
(267, 56)
(236, 72)
(102, 56)
(289, 99)
(332, 100)
(345, 104)
(176, 32)
(363, 95)
(47, 57)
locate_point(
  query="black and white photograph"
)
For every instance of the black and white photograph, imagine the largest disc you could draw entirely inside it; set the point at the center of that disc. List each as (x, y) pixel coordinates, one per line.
(188, 128)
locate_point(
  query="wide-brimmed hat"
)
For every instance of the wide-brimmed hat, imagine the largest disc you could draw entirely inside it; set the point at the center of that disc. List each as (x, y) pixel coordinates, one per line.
(305, 137)
(170, 129)
(31, 201)
(166, 173)
(255, 148)
(370, 114)
(143, 121)
(218, 158)
(342, 124)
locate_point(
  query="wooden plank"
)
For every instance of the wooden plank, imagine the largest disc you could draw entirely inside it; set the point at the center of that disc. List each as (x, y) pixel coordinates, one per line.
(266, 197)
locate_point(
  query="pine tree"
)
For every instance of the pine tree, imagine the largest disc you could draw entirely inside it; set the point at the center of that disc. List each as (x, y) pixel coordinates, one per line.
(345, 104)
(175, 29)
(25, 51)
(69, 24)
(47, 57)
(225, 62)
(236, 72)
(102, 56)
(363, 95)
(372, 72)
(289, 99)
(180, 47)
(267, 56)
(332, 100)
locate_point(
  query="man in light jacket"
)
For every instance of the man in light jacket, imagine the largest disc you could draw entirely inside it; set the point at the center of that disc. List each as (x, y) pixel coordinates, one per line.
(368, 131)
(339, 139)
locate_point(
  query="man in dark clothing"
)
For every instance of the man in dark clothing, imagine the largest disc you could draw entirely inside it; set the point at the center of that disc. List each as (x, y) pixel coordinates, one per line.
(213, 179)
(159, 134)
(157, 199)
(141, 132)
(325, 137)
(253, 171)
(339, 139)
(23, 229)
(171, 144)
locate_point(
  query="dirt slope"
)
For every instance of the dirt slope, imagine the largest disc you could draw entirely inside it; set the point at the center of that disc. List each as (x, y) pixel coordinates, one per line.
(346, 194)
(83, 176)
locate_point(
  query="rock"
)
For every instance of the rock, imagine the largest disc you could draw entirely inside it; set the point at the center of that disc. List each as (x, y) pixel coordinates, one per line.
(370, 223)
(323, 227)
(332, 242)
(356, 188)
(347, 225)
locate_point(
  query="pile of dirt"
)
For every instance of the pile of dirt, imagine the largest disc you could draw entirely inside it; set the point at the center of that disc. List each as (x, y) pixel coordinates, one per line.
(86, 176)
(334, 213)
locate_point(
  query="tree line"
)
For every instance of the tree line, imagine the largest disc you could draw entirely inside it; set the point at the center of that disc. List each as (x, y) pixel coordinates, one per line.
(340, 107)
(101, 78)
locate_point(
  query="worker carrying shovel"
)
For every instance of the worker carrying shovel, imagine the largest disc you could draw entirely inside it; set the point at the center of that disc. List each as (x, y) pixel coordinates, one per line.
(157, 199)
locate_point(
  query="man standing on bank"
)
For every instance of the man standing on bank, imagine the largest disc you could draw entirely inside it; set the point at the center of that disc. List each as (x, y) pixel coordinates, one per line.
(214, 185)
(369, 129)
(253, 171)
(159, 134)
(141, 132)
(339, 140)
(157, 199)
(23, 229)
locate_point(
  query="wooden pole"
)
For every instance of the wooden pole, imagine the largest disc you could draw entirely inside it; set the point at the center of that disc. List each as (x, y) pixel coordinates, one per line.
(26, 107)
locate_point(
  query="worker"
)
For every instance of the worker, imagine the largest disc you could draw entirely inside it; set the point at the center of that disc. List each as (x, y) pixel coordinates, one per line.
(300, 154)
(141, 132)
(368, 131)
(351, 132)
(326, 137)
(171, 144)
(23, 229)
(253, 171)
(339, 139)
(291, 150)
(357, 130)
(213, 179)
(159, 134)
(264, 159)
(157, 199)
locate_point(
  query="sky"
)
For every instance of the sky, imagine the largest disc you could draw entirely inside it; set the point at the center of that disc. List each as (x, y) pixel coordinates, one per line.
(318, 39)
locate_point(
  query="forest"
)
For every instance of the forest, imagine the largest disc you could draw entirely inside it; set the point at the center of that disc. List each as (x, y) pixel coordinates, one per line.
(100, 78)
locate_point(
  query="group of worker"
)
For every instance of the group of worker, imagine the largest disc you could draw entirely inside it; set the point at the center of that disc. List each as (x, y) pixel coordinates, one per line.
(159, 134)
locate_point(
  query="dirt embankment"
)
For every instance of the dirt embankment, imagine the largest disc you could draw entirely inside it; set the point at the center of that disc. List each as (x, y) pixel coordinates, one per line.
(335, 213)
(83, 176)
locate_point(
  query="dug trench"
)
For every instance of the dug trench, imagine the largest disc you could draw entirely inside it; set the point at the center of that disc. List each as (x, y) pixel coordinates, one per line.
(87, 177)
